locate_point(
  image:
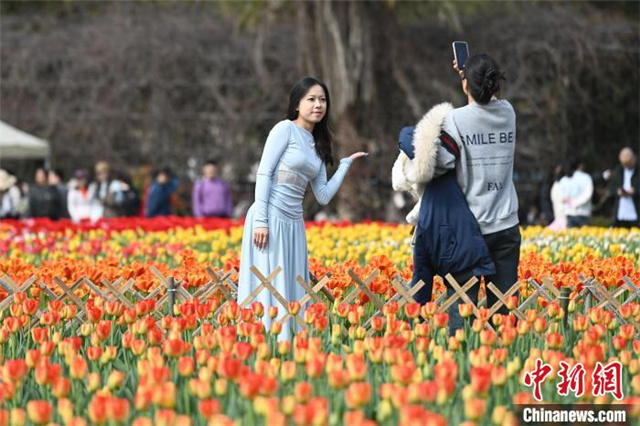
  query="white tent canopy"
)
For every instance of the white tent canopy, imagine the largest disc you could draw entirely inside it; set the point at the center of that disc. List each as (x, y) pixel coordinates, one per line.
(16, 144)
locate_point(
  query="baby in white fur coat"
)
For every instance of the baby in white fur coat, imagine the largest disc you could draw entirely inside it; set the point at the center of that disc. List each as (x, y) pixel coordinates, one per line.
(413, 174)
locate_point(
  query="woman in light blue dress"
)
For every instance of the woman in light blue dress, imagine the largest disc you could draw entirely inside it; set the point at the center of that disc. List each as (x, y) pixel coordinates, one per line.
(296, 153)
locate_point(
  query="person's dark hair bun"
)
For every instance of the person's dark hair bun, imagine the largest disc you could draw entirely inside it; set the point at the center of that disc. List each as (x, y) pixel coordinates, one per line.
(483, 76)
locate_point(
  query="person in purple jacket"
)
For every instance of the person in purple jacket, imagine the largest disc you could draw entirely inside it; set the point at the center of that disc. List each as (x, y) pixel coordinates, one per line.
(211, 194)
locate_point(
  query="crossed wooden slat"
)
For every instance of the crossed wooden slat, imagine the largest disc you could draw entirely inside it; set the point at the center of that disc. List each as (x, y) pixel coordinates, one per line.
(403, 296)
(12, 288)
(265, 283)
(220, 281)
(176, 287)
(356, 291)
(502, 300)
(312, 293)
(606, 298)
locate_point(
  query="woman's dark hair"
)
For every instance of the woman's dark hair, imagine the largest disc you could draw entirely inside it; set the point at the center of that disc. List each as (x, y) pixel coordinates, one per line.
(558, 172)
(322, 132)
(572, 165)
(164, 170)
(483, 76)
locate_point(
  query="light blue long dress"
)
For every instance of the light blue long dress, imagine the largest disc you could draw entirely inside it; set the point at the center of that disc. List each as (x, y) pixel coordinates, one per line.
(289, 162)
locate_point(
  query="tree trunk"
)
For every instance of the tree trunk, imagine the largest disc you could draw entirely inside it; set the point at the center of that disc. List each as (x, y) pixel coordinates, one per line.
(336, 46)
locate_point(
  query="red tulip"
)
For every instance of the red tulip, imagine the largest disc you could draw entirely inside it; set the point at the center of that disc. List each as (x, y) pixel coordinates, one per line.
(243, 350)
(14, 370)
(209, 407)
(250, 385)
(441, 319)
(412, 310)
(94, 353)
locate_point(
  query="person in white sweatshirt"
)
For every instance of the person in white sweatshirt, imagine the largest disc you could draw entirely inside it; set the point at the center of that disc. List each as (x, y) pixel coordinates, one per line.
(577, 190)
(82, 204)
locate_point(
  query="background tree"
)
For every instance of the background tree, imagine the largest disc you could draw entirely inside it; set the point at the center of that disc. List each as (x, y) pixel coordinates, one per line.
(160, 83)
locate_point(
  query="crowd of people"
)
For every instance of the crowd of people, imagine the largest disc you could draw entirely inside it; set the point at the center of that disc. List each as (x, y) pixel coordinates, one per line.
(108, 194)
(575, 196)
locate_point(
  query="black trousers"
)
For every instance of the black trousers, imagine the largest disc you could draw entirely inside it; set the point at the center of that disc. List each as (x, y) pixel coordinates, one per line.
(578, 221)
(504, 247)
(625, 224)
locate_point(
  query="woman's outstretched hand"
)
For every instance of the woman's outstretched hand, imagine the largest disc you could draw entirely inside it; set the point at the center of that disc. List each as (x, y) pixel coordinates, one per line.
(260, 237)
(357, 155)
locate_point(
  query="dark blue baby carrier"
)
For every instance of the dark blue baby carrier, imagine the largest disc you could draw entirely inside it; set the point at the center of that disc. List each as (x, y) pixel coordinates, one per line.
(447, 236)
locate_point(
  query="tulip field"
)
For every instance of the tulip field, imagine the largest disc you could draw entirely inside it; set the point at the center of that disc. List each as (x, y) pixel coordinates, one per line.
(211, 362)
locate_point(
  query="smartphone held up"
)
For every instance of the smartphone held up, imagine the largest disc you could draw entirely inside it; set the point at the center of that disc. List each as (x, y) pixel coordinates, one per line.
(460, 53)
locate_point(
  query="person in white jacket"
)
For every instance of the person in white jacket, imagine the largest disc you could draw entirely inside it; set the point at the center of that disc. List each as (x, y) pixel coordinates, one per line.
(577, 190)
(557, 201)
(82, 204)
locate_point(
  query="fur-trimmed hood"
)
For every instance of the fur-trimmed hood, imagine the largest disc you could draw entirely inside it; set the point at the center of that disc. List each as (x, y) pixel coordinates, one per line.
(416, 164)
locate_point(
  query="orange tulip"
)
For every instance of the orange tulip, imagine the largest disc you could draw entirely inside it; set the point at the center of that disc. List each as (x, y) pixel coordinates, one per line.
(250, 385)
(165, 418)
(243, 350)
(619, 342)
(627, 331)
(403, 374)
(39, 334)
(258, 309)
(356, 367)
(94, 353)
(488, 337)
(480, 379)
(39, 412)
(474, 408)
(174, 348)
(30, 306)
(143, 398)
(302, 392)
(7, 391)
(315, 367)
(16, 417)
(540, 325)
(94, 314)
(165, 396)
(358, 395)
(276, 327)
(465, 309)
(61, 387)
(115, 380)
(117, 409)
(138, 347)
(412, 310)
(595, 314)
(273, 312)
(96, 409)
(186, 366)
(229, 368)
(554, 340)
(428, 310)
